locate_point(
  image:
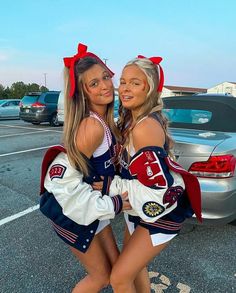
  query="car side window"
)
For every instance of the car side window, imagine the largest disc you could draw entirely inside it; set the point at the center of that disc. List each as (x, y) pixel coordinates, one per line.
(12, 103)
(51, 98)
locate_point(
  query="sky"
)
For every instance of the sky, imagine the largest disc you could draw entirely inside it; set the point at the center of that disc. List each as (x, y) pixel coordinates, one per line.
(195, 38)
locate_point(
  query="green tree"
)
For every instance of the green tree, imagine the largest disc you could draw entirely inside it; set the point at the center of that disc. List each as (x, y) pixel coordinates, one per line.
(18, 89)
(6, 94)
(2, 89)
(43, 89)
(33, 87)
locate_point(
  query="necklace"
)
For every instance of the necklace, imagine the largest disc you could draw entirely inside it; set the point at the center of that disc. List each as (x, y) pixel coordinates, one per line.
(108, 134)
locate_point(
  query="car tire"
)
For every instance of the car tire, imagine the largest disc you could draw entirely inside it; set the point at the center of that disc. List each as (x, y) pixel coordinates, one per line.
(54, 120)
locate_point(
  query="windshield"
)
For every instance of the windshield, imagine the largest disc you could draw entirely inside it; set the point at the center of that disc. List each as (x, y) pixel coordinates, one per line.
(188, 115)
(29, 100)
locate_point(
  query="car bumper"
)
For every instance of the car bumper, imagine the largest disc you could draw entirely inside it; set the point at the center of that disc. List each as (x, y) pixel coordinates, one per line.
(35, 117)
(218, 200)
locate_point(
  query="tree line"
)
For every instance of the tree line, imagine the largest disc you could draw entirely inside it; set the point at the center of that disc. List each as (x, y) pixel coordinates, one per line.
(18, 89)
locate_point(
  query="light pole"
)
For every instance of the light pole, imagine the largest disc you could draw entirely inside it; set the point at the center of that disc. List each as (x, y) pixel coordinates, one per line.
(45, 79)
(105, 60)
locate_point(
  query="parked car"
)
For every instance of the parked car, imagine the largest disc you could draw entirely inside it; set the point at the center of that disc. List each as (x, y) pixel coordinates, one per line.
(10, 108)
(204, 130)
(37, 107)
(60, 109)
(116, 105)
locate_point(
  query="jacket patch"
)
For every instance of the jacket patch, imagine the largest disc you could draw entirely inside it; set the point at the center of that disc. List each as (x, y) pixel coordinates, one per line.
(152, 209)
(172, 195)
(57, 171)
(147, 167)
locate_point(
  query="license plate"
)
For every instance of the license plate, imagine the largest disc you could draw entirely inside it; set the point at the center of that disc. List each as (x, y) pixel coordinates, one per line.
(27, 111)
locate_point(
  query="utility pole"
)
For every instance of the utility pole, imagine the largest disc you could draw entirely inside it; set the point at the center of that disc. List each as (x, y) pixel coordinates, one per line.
(45, 79)
(105, 60)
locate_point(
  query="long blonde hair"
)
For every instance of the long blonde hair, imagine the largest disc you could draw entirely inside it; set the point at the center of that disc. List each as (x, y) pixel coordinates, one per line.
(153, 103)
(76, 109)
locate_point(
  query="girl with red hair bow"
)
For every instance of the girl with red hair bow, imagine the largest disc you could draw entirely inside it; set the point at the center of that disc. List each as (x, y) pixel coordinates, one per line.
(80, 215)
(162, 194)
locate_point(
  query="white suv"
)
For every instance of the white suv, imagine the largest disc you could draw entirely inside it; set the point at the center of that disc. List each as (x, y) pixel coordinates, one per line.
(60, 109)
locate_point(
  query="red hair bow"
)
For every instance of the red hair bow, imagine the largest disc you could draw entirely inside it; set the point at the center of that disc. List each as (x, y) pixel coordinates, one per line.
(70, 63)
(157, 61)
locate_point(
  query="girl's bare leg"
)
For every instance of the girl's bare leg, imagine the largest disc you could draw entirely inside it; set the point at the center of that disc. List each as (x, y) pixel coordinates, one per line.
(142, 281)
(108, 242)
(132, 260)
(97, 262)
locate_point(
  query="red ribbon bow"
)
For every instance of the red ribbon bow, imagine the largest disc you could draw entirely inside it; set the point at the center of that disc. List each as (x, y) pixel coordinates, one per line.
(157, 61)
(70, 63)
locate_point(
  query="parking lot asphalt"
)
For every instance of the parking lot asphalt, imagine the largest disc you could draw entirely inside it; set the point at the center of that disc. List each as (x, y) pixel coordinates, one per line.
(34, 260)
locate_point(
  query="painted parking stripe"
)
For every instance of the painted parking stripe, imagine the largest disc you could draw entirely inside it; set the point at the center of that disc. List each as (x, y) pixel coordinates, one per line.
(24, 127)
(18, 215)
(16, 134)
(25, 151)
(161, 283)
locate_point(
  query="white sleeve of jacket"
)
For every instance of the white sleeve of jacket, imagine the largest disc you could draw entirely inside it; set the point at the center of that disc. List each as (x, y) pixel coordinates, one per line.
(147, 203)
(78, 200)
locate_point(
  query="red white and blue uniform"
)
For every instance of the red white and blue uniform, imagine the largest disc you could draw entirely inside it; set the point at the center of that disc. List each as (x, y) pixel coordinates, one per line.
(76, 210)
(161, 193)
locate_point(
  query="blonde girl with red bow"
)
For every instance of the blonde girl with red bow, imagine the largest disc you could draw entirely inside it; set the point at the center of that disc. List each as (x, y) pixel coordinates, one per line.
(162, 194)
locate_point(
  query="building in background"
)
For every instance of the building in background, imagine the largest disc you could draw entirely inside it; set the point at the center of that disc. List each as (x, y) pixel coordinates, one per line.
(223, 88)
(227, 88)
(169, 90)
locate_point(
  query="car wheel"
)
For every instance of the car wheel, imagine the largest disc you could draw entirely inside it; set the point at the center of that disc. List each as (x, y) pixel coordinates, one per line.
(36, 123)
(54, 120)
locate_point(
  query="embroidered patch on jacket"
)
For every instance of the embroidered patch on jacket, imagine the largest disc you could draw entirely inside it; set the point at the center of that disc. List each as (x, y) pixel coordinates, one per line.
(172, 195)
(152, 209)
(147, 167)
(57, 171)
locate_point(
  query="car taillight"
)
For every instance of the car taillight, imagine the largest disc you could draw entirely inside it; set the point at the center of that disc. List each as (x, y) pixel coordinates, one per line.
(215, 167)
(38, 105)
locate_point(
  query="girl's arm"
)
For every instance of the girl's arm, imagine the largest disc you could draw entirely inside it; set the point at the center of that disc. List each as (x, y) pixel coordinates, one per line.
(155, 189)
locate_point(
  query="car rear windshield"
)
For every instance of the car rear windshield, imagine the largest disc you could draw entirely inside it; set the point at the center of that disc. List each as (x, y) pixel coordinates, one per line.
(29, 99)
(188, 116)
(205, 114)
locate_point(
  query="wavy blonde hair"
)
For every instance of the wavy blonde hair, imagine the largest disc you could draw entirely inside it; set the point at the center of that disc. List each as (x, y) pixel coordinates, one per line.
(76, 109)
(153, 103)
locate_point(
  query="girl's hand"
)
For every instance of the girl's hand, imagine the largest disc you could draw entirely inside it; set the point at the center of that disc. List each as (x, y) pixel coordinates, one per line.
(98, 185)
(125, 199)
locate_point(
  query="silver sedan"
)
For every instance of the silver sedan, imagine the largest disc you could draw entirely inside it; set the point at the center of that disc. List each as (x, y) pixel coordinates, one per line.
(204, 130)
(10, 108)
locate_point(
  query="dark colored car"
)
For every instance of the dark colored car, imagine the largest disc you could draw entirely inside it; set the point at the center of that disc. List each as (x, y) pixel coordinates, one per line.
(204, 130)
(37, 107)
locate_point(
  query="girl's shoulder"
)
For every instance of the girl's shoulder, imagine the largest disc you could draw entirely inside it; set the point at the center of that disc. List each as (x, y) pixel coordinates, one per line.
(146, 132)
(90, 135)
(89, 123)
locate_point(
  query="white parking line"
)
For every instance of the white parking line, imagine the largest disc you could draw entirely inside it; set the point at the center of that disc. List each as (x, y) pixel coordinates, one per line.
(25, 151)
(24, 127)
(18, 215)
(16, 134)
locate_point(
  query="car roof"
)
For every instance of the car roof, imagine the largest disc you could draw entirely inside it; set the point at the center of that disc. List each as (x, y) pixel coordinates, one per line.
(222, 107)
(224, 99)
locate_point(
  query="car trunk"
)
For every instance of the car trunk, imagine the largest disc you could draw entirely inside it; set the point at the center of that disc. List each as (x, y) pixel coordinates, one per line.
(194, 145)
